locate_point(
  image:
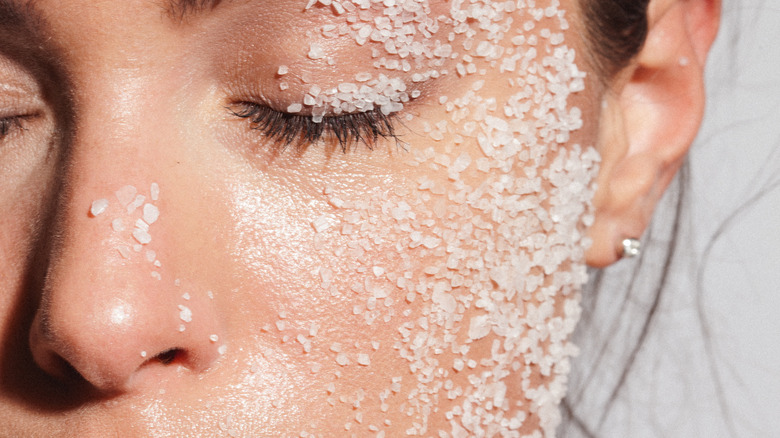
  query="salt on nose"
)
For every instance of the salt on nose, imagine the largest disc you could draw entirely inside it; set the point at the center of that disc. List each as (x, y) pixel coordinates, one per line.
(98, 207)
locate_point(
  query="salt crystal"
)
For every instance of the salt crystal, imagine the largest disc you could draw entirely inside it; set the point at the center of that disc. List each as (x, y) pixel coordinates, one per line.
(98, 207)
(458, 364)
(143, 237)
(478, 327)
(294, 108)
(315, 51)
(185, 314)
(222, 349)
(363, 359)
(213, 338)
(141, 225)
(155, 191)
(321, 224)
(282, 70)
(137, 202)
(125, 195)
(150, 213)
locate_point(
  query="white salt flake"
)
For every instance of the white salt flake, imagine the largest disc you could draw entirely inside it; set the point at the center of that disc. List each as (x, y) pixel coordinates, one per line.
(155, 191)
(143, 237)
(185, 314)
(315, 51)
(321, 224)
(150, 213)
(137, 202)
(98, 206)
(478, 327)
(141, 225)
(126, 195)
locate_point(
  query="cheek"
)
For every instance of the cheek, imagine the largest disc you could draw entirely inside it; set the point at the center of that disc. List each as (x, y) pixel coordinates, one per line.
(436, 292)
(421, 291)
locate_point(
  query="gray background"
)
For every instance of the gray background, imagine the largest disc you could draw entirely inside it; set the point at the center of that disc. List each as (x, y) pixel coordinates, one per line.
(719, 327)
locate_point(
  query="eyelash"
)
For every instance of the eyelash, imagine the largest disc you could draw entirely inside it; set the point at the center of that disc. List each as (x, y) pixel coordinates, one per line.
(347, 130)
(8, 124)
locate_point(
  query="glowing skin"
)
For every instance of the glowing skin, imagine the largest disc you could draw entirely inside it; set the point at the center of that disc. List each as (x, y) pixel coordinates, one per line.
(203, 279)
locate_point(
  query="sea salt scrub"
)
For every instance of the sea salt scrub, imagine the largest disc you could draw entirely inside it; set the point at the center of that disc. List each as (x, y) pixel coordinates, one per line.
(467, 261)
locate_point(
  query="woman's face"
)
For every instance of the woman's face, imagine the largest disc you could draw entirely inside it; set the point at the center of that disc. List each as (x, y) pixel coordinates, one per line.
(278, 219)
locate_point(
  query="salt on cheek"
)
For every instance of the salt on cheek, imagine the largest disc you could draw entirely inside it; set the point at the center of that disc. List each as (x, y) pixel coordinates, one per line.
(474, 268)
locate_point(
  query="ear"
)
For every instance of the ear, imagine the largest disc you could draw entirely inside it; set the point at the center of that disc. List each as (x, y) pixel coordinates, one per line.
(649, 119)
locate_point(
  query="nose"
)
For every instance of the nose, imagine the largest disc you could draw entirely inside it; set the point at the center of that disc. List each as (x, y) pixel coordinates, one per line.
(111, 314)
(115, 310)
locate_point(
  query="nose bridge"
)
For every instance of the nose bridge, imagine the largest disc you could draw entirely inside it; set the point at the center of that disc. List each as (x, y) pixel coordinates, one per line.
(111, 308)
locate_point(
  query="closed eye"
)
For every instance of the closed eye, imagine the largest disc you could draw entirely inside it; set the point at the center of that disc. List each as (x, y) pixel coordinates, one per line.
(300, 131)
(10, 124)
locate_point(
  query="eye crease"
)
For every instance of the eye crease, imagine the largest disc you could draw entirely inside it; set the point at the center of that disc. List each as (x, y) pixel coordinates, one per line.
(346, 130)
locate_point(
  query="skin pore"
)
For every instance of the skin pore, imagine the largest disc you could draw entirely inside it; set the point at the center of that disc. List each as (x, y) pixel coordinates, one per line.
(355, 218)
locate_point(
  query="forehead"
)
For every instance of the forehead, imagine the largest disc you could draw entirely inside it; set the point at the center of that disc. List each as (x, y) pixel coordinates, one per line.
(187, 11)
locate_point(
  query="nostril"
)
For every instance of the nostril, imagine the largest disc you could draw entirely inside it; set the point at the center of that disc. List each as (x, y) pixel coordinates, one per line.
(58, 367)
(168, 356)
(69, 372)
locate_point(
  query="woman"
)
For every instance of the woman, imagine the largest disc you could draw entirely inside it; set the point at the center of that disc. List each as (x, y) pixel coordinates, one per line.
(334, 218)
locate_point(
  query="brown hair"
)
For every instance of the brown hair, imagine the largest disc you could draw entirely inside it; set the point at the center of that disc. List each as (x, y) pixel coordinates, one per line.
(615, 31)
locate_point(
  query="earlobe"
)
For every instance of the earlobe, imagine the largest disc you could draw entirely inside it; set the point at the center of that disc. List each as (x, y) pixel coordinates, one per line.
(649, 120)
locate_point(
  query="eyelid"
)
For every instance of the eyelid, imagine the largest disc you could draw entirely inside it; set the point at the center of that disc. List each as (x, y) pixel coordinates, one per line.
(299, 130)
(10, 124)
(7, 124)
